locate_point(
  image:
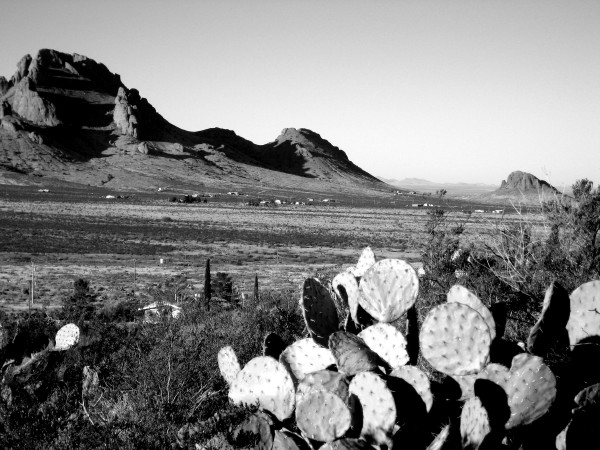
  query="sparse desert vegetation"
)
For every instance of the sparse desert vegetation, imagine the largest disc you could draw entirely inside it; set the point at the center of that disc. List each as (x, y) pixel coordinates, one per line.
(131, 382)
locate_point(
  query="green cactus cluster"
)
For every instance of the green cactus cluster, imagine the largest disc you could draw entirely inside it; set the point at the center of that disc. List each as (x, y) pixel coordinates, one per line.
(354, 382)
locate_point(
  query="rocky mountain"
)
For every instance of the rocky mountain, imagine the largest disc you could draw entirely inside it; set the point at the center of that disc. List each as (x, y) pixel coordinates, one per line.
(524, 187)
(67, 117)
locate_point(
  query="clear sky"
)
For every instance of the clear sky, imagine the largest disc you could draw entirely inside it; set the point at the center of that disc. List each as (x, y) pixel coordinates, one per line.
(446, 90)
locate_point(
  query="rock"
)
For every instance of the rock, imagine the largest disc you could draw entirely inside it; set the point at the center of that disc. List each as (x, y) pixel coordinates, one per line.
(35, 137)
(143, 148)
(4, 86)
(10, 125)
(133, 115)
(22, 69)
(5, 109)
(28, 104)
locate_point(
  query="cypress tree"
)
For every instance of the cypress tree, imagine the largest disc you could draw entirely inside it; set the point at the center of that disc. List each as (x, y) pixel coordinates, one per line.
(207, 290)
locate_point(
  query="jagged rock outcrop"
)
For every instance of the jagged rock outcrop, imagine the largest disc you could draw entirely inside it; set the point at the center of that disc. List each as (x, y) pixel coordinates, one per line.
(28, 104)
(525, 182)
(22, 69)
(308, 142)
(133, 115)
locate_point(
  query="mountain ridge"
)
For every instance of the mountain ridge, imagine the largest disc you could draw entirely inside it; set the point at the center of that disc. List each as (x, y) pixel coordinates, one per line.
(68, 117)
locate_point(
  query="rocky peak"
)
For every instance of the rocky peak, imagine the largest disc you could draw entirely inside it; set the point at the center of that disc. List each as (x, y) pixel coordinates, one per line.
(523, 181)
(308, 141)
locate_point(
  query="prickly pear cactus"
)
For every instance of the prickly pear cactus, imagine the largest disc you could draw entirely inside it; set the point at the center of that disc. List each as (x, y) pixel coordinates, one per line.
(474, 423)
(455, 339)
(378, 406)
(552, 321)
(323, 416)
(319, 311)
(366, 260)
(351, 354)
(388, 289)
(305, 356)
(67, 337)
(466, 384)
(348, 444)
(324, 380)
(388, 342)
(584, 320)
(418, 380)
(228, 364)
(460, 294)
(265, 381)
(346, 287)
(288, 440)
(530, 387)
(440, 440)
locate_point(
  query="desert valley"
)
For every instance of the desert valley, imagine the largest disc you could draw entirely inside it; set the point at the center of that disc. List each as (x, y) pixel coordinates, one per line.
(112, 219)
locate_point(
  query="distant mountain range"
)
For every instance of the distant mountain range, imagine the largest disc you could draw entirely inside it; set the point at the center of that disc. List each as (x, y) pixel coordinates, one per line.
(67, 117)
(454, 189)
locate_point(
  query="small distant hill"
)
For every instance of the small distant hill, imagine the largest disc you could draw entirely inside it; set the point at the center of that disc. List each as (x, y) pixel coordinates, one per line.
(524, 187)
(454, 189)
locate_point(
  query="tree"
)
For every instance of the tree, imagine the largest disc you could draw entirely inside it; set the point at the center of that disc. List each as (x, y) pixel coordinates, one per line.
(207, 289)
(80, 305)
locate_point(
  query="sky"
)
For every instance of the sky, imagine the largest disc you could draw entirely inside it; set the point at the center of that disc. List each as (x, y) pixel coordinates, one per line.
(446, 90)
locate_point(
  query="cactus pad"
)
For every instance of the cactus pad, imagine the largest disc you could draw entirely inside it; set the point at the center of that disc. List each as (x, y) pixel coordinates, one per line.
(460, 294)
(440, 440)
(351, 353)
(67, 337)
(348, 283)
(588, 397)
(323, 380)
(552, 321)
(348, 444)
(530, 387)
(366, 260)
(323, 416)
(455, 339)
(266, 382)
(388, 289)
(466, 384)
(388, 342)
(378, 406)
(287, 440)
(228, 364)
(474, 423)
(319, 311)
(305, 356)
(273, 345)
(418, 380)
(584, 320)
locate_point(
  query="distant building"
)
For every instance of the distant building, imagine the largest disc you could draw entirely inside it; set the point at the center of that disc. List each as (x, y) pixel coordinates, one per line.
(479, 211)
(498, 211)
(277, 202)
(417, 205)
